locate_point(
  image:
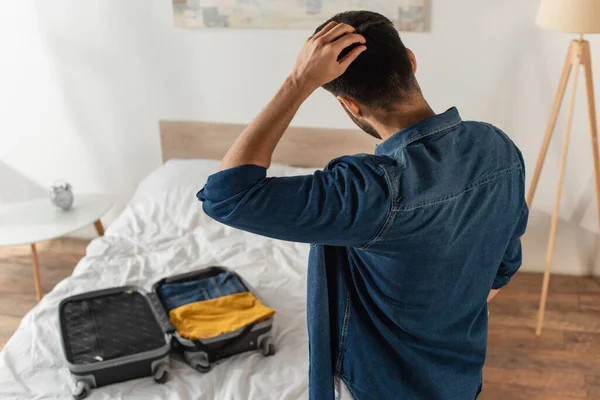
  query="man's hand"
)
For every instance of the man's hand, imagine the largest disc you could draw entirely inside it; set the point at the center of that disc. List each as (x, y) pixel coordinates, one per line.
(492, 294)
(318, 62)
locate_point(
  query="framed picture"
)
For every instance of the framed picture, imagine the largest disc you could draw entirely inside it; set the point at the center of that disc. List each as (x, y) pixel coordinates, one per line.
(408, 15)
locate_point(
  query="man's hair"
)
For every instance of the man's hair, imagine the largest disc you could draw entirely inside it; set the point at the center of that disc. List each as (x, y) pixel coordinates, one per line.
(380, 76)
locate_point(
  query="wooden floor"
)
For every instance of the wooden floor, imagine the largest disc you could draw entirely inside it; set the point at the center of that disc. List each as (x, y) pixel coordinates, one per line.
(17, 290)
(564, 364)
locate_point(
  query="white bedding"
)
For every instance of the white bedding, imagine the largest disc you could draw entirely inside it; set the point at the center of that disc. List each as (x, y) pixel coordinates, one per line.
(163, 232)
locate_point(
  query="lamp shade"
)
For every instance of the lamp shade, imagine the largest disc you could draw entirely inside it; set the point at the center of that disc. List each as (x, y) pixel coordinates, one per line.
(576, 16)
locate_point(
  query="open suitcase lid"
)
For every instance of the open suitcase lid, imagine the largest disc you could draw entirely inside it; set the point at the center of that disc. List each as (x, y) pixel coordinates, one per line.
(72, 330)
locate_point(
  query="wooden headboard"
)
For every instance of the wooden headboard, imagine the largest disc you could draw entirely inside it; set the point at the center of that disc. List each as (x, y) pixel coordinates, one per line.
(300, 147)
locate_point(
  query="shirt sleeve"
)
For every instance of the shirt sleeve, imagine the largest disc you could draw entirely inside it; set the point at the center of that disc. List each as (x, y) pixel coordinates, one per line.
(344, 205)
(513, 256)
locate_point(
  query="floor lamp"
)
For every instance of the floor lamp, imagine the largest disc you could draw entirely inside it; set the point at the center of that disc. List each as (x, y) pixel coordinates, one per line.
(581, 17)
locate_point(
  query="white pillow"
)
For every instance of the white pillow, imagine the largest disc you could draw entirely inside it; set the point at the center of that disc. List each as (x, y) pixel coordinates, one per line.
(193, 173)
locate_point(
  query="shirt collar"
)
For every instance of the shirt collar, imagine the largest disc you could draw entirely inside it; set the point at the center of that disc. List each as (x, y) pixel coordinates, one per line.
(419, 130)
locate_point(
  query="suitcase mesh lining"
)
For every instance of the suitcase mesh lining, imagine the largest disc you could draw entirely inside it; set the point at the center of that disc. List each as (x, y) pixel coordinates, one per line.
(110, 327)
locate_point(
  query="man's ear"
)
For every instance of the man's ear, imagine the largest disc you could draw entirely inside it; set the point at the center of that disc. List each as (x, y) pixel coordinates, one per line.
(350, 105)
(413, 60)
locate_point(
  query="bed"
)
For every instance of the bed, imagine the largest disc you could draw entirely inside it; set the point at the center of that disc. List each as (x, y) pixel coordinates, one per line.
(162, 232)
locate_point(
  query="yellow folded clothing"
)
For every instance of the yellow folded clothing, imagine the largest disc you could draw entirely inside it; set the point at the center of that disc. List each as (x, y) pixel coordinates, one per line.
(204, 319)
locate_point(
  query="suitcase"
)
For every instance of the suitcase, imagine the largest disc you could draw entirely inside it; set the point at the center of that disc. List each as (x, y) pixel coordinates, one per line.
(110, 336)
(202, 354)
(118, 334)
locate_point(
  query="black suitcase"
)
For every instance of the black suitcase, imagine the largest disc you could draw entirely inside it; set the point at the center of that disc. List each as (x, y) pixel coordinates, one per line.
(119, 334)
(110, 336)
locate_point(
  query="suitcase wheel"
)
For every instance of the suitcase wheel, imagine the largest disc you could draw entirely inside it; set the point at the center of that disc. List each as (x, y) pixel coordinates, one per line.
(161, 373)
(268, 347)
(198, 360)
(200, 367)
(82, 390)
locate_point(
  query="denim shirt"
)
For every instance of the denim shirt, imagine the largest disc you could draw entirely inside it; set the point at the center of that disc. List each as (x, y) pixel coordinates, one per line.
(406, 245)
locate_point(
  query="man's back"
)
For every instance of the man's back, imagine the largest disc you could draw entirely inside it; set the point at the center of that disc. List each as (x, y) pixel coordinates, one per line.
(417, 324)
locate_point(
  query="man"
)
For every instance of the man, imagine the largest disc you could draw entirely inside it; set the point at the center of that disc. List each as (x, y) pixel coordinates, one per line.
(408, 243)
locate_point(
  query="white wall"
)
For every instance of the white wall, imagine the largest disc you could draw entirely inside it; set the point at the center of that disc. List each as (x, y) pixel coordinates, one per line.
(84, 82)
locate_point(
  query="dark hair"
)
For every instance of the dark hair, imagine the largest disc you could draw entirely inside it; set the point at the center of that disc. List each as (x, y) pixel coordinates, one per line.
(380, 76)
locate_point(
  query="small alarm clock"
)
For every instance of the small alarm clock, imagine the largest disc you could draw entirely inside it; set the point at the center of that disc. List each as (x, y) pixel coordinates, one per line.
(61, 195)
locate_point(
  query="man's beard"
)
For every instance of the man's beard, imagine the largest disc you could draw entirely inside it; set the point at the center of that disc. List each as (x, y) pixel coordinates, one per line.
(364, 125)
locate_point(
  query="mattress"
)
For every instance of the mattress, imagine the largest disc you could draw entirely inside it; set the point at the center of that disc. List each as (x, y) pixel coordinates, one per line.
(163, 232)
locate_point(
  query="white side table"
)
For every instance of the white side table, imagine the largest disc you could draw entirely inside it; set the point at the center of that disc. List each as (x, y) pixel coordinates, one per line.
(38, 220)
